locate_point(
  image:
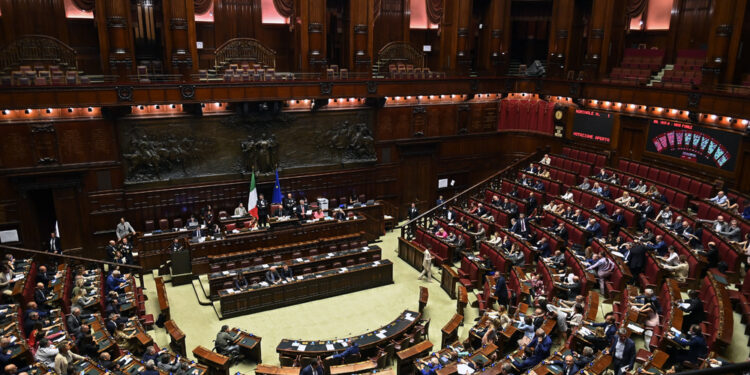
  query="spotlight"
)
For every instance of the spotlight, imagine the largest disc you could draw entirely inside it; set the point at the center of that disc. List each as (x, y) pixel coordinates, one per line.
(27, 111)
(174, 106)
(91, 109)
(6, 112)
(729, 119)
(157, 106)
(140, 107)
(744, 122)
(713, 117)
(203, 105)
(70, 110)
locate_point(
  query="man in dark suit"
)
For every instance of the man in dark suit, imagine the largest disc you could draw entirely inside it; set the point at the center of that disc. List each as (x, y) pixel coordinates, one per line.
(695, 343)
(694, 312)
(618, 221)
(176, 246)
(593, 228)
(53, 245)
(659, 246)
(111, 250)
(539, 185)
(262, 205)
(531, 204)
(579, 218)
(288, 205)
(637, 259)
(570, 290)
(501, 291)
(542, 247)
(610, 326)
(622, 351)
(40, 297)
(569, 366)
(273, 276)
(300, 210)
(521, 227)
(561, 231)
(647, 212)
(601, 208)
(314, 368)
(481, 210)
(413, 211)
(538, 349)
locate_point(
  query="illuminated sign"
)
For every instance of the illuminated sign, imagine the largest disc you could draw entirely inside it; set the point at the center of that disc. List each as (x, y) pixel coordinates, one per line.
(689, 142)
(591, 125)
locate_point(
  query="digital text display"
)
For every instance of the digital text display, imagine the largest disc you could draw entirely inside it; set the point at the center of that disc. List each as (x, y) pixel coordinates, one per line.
(595, 126)
(709, 147)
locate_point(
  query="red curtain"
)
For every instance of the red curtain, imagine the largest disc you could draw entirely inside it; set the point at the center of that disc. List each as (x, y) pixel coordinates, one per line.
(284, 7)
(202, 6)
(87, 5)
(434, 10)
(636, 7)
(526, 115)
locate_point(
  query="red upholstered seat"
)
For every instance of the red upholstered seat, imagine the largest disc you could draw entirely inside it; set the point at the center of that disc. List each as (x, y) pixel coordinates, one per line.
(231, 227)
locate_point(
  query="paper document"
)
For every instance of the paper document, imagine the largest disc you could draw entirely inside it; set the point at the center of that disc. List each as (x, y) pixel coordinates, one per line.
(330, 347)
(302, 348)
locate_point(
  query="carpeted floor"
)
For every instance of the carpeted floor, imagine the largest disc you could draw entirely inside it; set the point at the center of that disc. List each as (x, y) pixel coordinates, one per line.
(341, 316)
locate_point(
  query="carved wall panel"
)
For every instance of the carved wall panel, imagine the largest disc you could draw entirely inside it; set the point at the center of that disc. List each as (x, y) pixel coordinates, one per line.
(157, 150)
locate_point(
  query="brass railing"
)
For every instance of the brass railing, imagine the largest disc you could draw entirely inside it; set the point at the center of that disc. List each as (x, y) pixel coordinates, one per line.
(239, 50)
(38, 49)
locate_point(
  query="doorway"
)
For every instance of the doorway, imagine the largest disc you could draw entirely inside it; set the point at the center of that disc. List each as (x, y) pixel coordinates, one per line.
(43, 208)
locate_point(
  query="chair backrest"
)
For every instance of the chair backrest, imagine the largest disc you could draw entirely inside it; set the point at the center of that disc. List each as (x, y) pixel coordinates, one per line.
(164, 224)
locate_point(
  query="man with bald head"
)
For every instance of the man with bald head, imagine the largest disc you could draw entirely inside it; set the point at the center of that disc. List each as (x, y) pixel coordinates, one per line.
(568, 365)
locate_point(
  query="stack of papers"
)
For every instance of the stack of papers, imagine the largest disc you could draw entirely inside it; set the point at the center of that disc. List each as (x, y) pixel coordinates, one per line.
(330, 347)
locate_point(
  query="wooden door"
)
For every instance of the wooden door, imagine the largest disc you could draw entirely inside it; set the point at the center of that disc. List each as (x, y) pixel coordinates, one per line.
(68, 217)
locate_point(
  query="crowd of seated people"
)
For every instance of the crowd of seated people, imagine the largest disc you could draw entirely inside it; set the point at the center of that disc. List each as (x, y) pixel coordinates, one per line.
(658, 246)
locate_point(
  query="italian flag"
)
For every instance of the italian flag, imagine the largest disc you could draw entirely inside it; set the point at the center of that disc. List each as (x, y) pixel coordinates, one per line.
(252, 199)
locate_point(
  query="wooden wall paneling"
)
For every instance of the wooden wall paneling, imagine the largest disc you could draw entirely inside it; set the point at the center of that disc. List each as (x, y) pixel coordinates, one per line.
(393, 123)
(743, 168)
(312, 35)
(719, 37)
(83, 37)
(455, 44)
(392, 24)
(113, 20)
(693, 26)
(15, 151)
(68, 216)
(738, 23)
(45, 144)
(360, 34)
(606, 29)
(495, 38)
(28, 17)
(419, 121)
(418, 178)
(180, 37)
(235, 19)
(206, 33)
(559, 40)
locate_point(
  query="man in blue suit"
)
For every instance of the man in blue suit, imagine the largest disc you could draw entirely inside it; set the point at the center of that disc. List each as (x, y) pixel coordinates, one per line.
(569, 366)
(314, 368)
(594, 228)
(696, 346)
(539, 346)
(115, 282)
(659, 246)
(623, 352)
(521, 227)
(501, 291)
(352, 349)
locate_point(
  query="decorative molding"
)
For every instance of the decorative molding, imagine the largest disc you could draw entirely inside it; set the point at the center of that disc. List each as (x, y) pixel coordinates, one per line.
(178, 24)
(187, 92)
(597, 33)
(314, 27)
(372, 87)
(724, 30)
(360, 29)
(419, 109)
(474, 85)
(46, 160)
(326, 88)
(124, 93)
(562, 34)
(463, 107)
(462, 32)
(45, 128)
(496, 33)
(117, 22)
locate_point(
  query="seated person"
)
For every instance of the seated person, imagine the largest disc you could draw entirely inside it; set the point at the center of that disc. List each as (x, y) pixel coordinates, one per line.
(537, 350)
(225, 342)
(286, 273)
(568, 365)
(273, 276)
(240, 282)
(115, 282)
(192, 223)
(351, 349)
(696, 348)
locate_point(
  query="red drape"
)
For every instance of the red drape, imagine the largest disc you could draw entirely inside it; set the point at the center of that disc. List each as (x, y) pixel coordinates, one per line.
(635, 7)
(284, 7)
(202, 6)
(434, 10)
(526, 115)
(87, 5)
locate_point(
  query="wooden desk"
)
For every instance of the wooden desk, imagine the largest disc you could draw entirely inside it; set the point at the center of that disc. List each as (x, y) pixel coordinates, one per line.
(424, 293)
(249, 344)
(411, 253)
(217, 363)
(592, 306)
(161, 292)
(177, 337)
(405, 358)
(374, 227)
(326, 259)
(311, 287)
(264, 369)
(353, 368)
(450, 330)
(404, 323)
(448, 280)
(463, 299)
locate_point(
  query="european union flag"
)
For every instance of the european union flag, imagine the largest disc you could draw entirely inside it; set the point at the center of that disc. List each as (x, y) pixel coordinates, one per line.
(277, 196)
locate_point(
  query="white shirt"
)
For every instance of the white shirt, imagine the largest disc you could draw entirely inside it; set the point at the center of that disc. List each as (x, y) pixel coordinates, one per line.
(619, 348)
